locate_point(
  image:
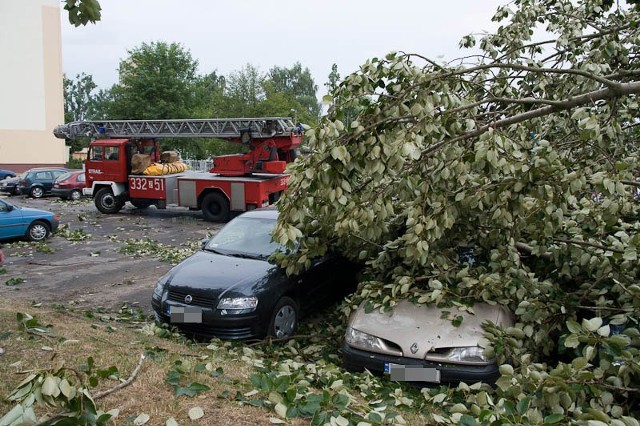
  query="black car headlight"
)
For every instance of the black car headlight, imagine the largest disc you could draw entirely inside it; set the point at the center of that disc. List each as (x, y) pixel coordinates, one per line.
(470, 355)
(237, 305)
(160, 285)
(361, 340)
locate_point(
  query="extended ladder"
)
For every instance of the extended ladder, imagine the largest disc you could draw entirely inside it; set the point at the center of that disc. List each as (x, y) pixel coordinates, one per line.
(224, 128)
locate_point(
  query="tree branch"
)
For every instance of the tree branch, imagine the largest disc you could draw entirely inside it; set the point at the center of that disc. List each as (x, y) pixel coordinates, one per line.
(124, 384)
(587, 98)
(587, 244)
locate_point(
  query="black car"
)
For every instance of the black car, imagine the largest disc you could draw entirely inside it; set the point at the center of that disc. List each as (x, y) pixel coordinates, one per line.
(230, 290)
(38, 182)
(10, 185)
(6, 174)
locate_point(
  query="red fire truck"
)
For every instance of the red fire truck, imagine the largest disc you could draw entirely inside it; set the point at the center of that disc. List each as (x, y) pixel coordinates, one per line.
(235, 183)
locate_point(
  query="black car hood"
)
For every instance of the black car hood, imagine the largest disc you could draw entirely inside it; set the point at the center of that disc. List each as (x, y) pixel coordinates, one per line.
(207, 271)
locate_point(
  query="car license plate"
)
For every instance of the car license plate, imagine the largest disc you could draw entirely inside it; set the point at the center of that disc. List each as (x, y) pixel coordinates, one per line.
(411, 373)
(185, 314)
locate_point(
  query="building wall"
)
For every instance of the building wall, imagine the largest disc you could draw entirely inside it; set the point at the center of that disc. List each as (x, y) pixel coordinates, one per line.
(31, 104)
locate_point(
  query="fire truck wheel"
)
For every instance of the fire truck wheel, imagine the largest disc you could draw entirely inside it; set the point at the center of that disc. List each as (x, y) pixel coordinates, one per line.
(141, 204)
(106, 202)
(215, 207)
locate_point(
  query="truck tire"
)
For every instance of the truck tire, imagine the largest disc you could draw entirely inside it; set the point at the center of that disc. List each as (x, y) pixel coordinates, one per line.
(140, 203)
(106, 202)
(215, 207)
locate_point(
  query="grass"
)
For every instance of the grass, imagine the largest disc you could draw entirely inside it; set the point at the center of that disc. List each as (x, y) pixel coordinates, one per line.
(243, 383)
(149, 393)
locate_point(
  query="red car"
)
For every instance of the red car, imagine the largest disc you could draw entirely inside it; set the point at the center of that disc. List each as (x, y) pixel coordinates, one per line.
(69, 185)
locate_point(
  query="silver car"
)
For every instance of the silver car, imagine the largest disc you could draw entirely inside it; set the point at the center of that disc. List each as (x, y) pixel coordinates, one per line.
(415, 343)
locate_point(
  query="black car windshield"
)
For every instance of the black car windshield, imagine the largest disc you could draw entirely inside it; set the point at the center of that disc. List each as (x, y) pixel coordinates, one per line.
(245, 237)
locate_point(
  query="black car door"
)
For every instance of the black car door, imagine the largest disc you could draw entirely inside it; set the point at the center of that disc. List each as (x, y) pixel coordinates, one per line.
(327, 280)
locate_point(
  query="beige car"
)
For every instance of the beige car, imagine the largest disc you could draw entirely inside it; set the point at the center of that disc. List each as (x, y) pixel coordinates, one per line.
(414, 343)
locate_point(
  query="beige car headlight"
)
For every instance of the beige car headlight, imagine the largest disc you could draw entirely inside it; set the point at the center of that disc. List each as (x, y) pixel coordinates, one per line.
(361, 340)
(470, 355)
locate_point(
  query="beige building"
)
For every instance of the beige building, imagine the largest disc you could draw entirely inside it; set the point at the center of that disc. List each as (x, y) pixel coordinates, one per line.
(31, 100)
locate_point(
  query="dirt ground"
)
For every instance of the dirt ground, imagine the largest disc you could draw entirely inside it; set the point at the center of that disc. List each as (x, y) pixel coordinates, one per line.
(92, 273)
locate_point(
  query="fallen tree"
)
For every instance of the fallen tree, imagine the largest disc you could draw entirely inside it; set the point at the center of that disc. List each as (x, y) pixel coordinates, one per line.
(528, 154)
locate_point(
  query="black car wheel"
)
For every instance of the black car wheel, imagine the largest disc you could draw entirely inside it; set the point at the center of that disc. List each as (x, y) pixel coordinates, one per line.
(38, 231)
(284, 319)
(75, 195)
(106, 202)
(215, 207)
(36, 192)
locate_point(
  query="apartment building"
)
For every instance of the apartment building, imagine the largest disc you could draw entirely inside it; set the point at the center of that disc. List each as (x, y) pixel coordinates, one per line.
(31, 93)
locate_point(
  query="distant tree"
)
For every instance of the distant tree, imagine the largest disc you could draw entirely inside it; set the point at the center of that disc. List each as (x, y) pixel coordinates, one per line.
(244, 91)
(79, 103)
(78, 97)
(298, 84)
(209, 95)
(101, 107)
(348, 108)
(334, 78)
(157, 81)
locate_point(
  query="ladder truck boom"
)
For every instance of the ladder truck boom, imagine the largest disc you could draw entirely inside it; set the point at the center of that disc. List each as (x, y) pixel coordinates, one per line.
(223, 128)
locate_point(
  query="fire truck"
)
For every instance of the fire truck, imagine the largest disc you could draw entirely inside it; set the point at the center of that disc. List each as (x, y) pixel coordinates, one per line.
(235, 183)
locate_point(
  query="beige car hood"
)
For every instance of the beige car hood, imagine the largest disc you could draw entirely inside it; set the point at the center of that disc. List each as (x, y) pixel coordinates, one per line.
(421, 326)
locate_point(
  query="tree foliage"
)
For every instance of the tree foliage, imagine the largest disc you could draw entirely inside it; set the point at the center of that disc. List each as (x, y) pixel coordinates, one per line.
(288, 92)
(298, 84)
(244, 91)
(81, 12)
(157, 81)
(526, 155)
(160, 80)
(80, 102)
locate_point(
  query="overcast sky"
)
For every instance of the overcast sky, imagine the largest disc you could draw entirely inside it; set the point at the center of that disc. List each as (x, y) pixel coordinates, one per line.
(226, 35)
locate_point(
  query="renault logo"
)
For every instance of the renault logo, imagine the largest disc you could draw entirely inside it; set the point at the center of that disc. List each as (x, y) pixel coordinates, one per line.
(188, 299)
(413, 348)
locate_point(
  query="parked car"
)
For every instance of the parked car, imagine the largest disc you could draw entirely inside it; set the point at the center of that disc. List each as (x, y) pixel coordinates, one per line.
(230, 290)
(417, 344)
(38, 182)
(10, 185)
(23, 222)
(68, 186)
(6, 174)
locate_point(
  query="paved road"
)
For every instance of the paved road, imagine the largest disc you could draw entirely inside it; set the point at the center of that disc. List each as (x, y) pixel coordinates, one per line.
(92, 273)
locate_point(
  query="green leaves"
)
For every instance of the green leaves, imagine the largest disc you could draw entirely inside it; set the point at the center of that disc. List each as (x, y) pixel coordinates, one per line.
(165, 252)
(54, 388)
(81, 12)
(510, 156)
(178, 377)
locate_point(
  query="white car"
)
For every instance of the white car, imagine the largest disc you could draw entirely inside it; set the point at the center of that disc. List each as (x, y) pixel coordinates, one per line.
(414, 343)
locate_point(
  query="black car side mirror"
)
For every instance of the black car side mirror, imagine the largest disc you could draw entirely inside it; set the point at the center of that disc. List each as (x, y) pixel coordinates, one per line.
(203, 243)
